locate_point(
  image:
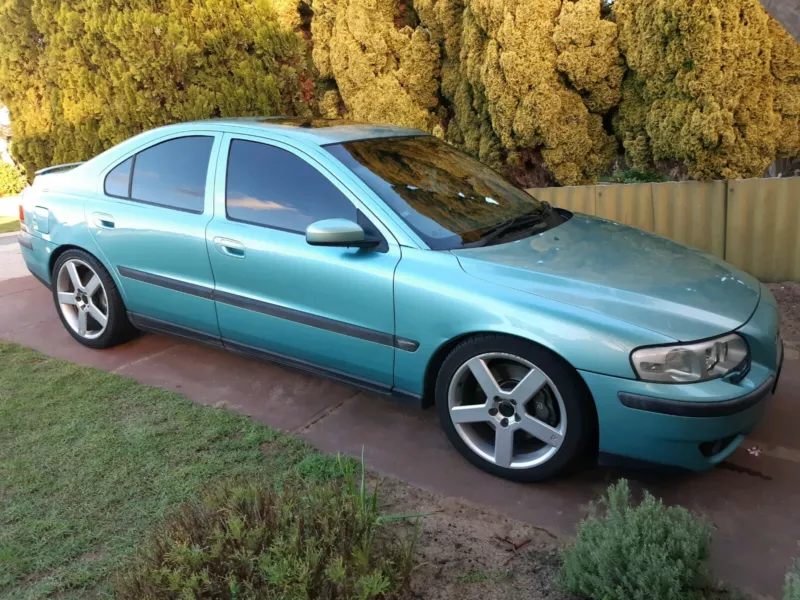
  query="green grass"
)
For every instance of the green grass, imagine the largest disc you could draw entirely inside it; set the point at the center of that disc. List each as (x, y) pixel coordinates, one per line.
(474, 577)
(8, 224)
(91, 461)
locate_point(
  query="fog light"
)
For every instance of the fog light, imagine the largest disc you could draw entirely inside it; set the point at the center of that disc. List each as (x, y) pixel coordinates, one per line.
(709, 449)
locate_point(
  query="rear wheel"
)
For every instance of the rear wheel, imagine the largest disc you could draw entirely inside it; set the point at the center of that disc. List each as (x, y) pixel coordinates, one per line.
(513, 408)
(88, 302)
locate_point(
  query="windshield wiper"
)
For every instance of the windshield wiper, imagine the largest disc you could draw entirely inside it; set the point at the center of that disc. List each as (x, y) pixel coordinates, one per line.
(527, 221)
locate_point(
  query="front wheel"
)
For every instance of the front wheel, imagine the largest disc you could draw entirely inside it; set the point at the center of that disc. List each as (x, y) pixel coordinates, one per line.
(88, 302)
(513, 408)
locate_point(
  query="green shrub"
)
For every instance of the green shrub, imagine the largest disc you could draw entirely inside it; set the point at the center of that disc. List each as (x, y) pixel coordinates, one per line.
(300, 542)
(791, 589)
(638, 552)
(634, 176)
(12, 180)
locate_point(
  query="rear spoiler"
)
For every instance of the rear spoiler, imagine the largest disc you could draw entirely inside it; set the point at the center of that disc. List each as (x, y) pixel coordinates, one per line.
(57, 168)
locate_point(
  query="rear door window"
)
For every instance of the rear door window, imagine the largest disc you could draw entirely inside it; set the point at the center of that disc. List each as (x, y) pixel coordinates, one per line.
(171, 174)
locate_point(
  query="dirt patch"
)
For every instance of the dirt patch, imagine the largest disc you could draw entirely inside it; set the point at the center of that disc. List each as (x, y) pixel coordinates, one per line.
(467, 552)
(788, 296)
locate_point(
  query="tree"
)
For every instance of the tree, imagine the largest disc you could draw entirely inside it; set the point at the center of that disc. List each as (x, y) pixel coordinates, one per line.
(385, 69)
(80, 76)
(507, 68)
(706, 86)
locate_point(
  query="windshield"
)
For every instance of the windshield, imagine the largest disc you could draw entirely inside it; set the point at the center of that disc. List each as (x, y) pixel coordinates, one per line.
(447, 197)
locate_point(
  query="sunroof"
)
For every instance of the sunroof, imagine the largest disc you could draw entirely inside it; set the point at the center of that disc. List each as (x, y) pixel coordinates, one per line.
(307, 123)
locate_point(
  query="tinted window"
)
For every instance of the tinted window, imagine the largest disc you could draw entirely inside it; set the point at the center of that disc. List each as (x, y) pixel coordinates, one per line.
(447, 197)
(118, 180)
(173, 173)
(273, 187)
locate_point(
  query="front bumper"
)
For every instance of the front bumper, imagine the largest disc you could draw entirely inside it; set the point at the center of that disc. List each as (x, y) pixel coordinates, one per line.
(697, 425)
(641, 421)
(684, 408)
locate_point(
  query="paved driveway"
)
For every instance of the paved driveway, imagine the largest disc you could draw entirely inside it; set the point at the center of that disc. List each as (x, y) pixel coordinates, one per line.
(753, 500)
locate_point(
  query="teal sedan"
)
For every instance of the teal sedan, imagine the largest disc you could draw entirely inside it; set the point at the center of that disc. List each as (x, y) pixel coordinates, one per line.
(385, 258)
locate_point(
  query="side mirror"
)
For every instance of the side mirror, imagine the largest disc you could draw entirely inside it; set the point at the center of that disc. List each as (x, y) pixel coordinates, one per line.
(338, 232)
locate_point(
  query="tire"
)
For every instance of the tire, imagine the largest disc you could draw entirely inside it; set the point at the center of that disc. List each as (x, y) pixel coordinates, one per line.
(552, 402)
(82, 307)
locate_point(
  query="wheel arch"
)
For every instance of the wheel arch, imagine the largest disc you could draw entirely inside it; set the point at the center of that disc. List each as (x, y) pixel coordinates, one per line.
(55, 254)
(440, 355)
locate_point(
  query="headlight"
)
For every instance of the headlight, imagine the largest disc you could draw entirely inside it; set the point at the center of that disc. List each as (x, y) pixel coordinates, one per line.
(688, 363)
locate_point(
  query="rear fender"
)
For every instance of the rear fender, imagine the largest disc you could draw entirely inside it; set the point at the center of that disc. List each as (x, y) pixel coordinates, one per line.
(65, 228)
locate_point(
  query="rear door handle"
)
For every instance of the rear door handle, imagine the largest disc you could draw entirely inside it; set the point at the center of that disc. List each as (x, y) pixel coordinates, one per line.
(103, 220)
(230, 247)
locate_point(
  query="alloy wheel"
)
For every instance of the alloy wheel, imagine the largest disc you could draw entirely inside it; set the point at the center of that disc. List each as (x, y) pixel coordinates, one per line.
(82, 299)
(507, 410)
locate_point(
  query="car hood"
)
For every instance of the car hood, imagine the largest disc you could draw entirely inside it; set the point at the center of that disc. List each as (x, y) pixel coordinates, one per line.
(624, 273)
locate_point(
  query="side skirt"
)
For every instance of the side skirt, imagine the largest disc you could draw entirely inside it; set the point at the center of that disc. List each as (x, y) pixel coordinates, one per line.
(165, 328)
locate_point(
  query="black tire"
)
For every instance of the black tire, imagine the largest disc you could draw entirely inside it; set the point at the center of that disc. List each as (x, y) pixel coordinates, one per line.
(118, 328)
(581, 415)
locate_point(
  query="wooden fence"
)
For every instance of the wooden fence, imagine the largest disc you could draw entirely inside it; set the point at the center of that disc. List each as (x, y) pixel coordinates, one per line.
(753, 224)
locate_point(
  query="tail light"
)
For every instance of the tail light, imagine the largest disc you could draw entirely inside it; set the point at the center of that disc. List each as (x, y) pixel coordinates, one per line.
(21, 214)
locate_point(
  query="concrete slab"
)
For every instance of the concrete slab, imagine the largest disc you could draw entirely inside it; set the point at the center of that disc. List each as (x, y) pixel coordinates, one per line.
(285, 399)
(11, 263)
(753, 499)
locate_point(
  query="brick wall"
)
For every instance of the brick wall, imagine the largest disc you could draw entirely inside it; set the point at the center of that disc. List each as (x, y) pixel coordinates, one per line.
(787, 12)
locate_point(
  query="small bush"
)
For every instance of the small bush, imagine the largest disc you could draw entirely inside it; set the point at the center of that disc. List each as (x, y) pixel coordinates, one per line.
(634, 176)
(638, 552)
(300, 542)
(791, 589)
(12, 180)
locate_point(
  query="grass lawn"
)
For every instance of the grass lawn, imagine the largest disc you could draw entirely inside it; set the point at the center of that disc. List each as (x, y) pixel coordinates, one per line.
(8, 224)
(90, 461)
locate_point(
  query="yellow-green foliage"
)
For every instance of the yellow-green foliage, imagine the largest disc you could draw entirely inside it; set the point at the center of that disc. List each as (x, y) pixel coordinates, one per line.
(494, 63)
(527, 86)
(588, 54)
(508, 54)
(384, 73)
(506, 98)
(786, 71)
(452, 27)
(82, 75)
(702, 89)
(12, 180)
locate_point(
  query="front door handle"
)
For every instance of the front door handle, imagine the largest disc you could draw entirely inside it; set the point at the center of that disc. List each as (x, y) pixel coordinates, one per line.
(103, 220)
(230, 247)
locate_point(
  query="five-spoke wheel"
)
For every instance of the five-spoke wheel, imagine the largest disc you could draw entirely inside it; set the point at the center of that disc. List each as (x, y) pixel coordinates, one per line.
(82, 299)
(88, 302)
(506, 404)
(507, 410)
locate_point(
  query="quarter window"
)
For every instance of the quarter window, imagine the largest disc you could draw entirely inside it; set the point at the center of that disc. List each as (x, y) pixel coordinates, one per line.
(275, 188)
(119, 179)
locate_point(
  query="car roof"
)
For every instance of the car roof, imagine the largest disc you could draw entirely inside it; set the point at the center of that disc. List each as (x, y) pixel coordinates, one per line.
(315, 131)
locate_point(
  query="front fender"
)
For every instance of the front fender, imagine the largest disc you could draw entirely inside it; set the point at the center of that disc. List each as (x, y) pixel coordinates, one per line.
(437, 302)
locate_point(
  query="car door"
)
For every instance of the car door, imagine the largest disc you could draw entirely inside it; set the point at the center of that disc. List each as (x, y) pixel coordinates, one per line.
(149, 220)
(325, 307)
